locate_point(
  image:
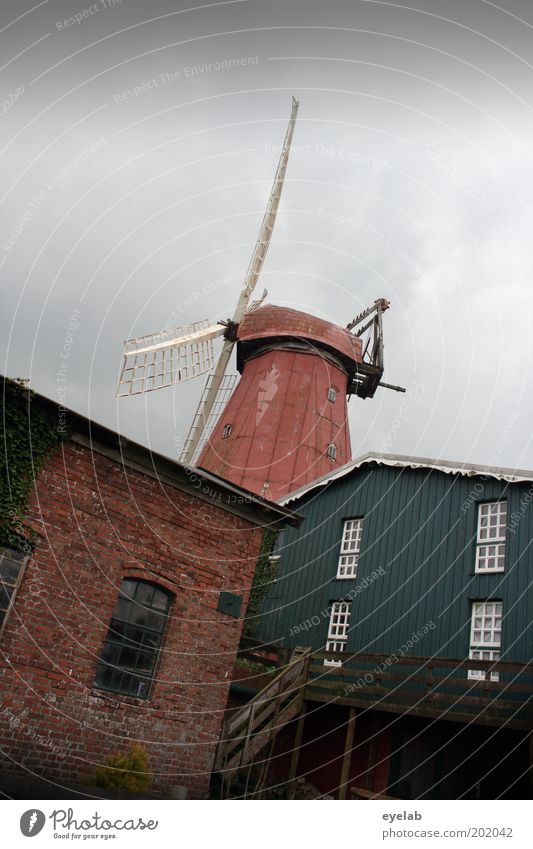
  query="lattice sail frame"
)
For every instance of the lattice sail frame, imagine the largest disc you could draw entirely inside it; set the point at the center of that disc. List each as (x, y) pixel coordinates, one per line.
(167, 363)
(207, 424)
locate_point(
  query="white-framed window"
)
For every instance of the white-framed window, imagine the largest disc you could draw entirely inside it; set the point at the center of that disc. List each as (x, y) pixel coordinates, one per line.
(332, 451)
(332, 394)
(339, 622)
(227, 431)
(491, 528)
(485, 636)
(350, 547)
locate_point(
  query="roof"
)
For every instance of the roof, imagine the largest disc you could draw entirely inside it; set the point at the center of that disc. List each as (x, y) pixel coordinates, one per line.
(271, 323)
(195, 482)
(401, 461)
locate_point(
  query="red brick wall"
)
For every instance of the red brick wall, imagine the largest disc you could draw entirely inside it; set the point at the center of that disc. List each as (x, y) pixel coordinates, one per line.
(97, 523)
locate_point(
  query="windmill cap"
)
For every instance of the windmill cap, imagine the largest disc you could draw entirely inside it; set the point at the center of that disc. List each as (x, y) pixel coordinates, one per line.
(282, 323)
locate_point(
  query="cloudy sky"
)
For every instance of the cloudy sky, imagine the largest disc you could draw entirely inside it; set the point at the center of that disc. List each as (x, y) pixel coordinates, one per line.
(139, 142)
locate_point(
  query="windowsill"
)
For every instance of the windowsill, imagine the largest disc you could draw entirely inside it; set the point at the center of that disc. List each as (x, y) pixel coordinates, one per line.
(345, 577)
(332, 662)
(102, 693)
(487, 571)
(484, 681)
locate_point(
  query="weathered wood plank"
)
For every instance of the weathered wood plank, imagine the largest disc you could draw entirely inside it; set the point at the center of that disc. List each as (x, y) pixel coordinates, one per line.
(481, 718)
(295, 754)
(347, 756)
(249, 727)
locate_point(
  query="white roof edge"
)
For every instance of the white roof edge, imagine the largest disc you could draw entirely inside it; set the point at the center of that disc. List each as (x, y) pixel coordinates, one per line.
(405, 462)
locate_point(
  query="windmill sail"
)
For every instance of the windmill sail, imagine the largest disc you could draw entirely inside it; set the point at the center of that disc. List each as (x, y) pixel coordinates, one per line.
(168, 357)
(250, 281)
(204, 423)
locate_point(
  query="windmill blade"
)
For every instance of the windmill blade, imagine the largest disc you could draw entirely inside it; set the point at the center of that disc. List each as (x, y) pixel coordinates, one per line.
(269, 219)
(250, 281)
(168, 357)
(205, 424)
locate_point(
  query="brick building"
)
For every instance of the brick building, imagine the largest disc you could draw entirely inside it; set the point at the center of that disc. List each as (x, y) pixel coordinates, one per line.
(123, 623)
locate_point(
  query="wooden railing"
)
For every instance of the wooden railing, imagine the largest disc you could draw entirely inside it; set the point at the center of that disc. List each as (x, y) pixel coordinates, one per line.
(425, 686)
(251, 727)
(419, 686)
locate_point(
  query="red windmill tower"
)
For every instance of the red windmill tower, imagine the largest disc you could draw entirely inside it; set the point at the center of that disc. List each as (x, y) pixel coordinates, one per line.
(285, 423)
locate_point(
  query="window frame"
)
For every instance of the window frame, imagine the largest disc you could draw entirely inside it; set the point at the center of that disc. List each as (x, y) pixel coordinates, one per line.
(332, 451)
(332, 394)
(482, 646)
(499, 543)
(277, 547)
(338, 640)
(226, 431)
(346, 553)
(6, 553)
(111, 640)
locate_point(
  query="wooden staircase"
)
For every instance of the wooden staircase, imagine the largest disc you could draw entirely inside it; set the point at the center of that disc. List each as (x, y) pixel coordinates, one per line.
(248, 730)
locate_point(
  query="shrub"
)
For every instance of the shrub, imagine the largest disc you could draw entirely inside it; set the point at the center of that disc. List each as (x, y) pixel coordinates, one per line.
(125, 771)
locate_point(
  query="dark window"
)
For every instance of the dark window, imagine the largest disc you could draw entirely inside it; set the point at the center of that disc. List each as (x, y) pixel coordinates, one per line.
(332, 451)
(129, 656)
(11, 568)
(332, 394)
(227, 431)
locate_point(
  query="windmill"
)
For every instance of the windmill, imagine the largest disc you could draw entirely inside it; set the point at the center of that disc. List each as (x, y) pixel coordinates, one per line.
(173, 356)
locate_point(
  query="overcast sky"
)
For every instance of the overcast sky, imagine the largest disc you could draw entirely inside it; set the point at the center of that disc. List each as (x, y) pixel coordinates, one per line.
(139, 142)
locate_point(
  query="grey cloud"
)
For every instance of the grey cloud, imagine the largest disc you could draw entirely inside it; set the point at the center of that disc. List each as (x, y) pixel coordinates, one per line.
(410, 179)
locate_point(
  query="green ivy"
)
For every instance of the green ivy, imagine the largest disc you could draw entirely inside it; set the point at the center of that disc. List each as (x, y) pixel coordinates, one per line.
(29, 432)
(255, 666)
(266, 573)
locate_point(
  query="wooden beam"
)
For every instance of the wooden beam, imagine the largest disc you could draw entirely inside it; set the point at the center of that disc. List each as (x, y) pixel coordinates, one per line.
(347, 757)
(531, 765)
(316, 694)
(362, 793)
(295, 754)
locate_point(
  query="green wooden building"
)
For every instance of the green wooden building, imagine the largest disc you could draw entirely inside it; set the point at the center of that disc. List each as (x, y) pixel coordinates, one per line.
(412, 582)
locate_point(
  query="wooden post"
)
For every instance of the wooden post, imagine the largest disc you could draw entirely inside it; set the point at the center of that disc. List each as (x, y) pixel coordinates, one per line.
(531, 765)
(295, 754)
(249, 729)
(347, 757)
(429, 682)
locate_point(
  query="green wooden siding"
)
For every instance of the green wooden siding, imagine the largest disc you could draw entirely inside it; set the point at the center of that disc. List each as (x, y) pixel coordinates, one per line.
(420, 529)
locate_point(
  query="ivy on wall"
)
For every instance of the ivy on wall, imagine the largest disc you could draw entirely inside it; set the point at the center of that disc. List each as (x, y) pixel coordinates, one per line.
(265, 574)
(29, 432)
